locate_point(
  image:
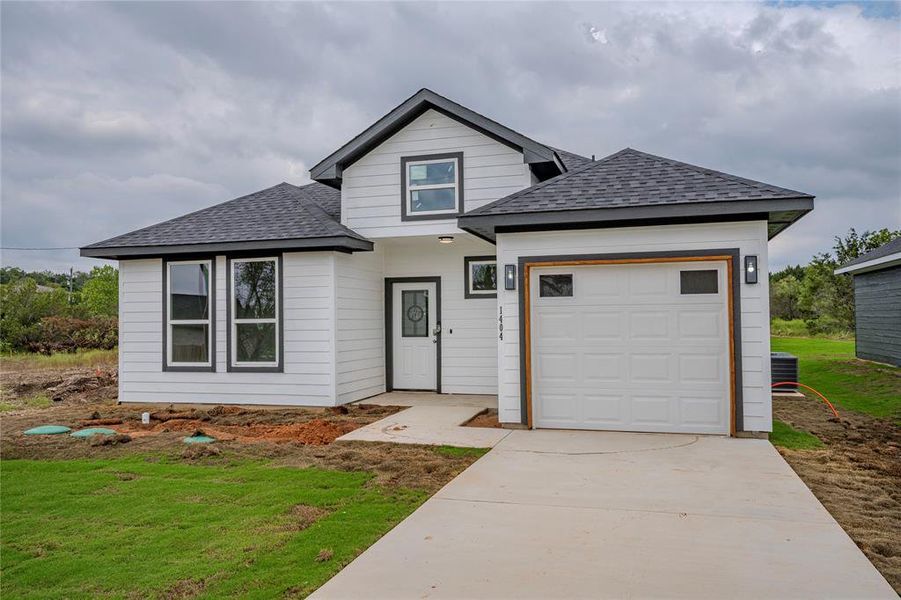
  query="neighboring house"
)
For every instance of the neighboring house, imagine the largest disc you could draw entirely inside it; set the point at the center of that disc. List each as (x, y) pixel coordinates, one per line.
(440, 250)
(877, 303)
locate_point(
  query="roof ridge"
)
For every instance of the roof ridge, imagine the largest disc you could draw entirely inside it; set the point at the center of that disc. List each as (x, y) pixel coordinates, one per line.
(321, 215)
(714, 173)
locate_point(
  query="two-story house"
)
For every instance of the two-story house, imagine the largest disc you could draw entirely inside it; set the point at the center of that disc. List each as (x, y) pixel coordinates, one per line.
(440, 250)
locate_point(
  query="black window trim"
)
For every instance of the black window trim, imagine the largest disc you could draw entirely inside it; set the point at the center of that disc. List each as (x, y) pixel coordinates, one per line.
(176, 367)
(404, 214)
(467, 275)
(279, 367)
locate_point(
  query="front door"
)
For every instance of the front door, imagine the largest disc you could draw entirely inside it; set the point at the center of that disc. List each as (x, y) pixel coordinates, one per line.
(414, 336)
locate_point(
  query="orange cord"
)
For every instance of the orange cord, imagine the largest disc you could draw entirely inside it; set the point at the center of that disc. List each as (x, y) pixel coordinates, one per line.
(807, 387)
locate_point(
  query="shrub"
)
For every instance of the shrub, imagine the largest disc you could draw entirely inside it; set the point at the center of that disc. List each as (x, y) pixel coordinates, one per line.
(68, 334)
(789, 328)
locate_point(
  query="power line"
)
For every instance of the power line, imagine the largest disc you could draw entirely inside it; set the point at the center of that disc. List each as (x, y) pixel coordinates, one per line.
(38, 249)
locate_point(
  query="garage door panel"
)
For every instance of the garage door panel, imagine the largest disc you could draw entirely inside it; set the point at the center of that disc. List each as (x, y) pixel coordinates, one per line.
(628, 351)
(647, 325)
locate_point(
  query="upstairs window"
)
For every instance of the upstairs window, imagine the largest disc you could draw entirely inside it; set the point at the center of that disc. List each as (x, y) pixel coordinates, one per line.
(189, 327)
(254, 335)
(432, 186)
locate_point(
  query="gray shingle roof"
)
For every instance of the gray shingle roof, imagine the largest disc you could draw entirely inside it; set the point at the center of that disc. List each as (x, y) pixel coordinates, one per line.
(633, 178)
(571, 160)
(282, 212)
(893, 247)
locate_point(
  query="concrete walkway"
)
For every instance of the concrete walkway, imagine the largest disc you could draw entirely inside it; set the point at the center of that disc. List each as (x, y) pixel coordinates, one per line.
(550, 514)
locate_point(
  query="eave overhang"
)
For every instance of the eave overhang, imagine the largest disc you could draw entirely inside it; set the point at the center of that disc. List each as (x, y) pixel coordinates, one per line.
(333, 243)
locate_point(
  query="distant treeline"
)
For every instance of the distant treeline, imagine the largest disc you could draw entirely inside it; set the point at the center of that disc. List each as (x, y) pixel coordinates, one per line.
(38, 314)
(812, 299)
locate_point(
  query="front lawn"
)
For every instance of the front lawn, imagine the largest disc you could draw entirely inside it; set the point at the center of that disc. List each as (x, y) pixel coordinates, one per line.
(786, 436)
(145, 526)
(830, 367)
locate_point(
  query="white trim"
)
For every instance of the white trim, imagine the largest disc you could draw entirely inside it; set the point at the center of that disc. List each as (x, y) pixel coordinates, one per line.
(235, 321)
(474, 292)
(208, 321)
(411, 187)
(883, 262)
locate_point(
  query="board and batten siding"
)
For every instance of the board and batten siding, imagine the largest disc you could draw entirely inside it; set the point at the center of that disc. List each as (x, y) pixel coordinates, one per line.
(468, 326)
(360, 313)
(370, 189)
(748, 237)
(877, 306)
(309, 340)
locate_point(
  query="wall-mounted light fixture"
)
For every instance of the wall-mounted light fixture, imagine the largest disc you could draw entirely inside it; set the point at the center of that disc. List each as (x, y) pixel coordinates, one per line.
(509, 277)
(446, 239)
(750, 269)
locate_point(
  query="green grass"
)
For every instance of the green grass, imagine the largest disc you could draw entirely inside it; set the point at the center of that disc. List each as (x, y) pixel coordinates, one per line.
(829, 366)
(39, 401)
(82, 358)
(142, 526)
(456, 451)
(788, 437)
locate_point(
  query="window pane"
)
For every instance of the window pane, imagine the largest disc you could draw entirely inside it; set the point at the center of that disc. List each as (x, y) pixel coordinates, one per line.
(415, 313)
(254, 289)
(255, 342)
(190, 343)
(189, 288)
(483, 277)
(432, 173)
(439, 199)
(699, 282)
(555, 286)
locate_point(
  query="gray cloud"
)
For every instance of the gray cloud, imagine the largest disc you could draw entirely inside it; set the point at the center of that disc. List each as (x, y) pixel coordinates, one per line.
(119, 115)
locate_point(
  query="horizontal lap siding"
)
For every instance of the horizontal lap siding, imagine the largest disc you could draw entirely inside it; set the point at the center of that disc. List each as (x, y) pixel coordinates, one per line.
(370, 190)
(360, 310)
(749, 237)
(877, 300)
(469, 326)
(309, 298)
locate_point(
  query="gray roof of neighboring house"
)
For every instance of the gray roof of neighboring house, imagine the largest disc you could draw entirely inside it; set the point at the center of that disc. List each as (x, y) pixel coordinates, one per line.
(882, 255)
(540, 157)
(633, 185)
(284, 216)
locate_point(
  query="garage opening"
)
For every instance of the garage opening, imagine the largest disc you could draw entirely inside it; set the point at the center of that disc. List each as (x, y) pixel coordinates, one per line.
(631, 346)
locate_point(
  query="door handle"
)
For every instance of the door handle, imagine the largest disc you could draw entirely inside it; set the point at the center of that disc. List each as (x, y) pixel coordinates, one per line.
(436, 332)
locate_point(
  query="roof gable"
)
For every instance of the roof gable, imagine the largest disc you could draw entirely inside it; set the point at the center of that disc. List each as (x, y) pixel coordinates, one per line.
(544, 161)
(883, 257)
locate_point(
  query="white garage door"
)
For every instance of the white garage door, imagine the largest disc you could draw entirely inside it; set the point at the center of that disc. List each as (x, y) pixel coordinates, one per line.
(631, 347)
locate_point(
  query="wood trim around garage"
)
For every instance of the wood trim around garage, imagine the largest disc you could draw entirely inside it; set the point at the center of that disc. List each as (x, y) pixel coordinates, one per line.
(728, 255)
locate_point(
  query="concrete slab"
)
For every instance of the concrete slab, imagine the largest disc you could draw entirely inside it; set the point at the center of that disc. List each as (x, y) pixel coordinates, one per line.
(431, 425)
(402, 398)
(550, 514)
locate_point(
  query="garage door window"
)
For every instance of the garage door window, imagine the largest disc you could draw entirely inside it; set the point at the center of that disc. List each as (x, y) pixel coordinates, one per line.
(699, 282)
(555, 286)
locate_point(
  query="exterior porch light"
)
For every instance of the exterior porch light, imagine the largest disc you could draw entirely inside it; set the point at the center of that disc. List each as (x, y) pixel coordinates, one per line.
(750, 269)
(509, 277)
(446, 239)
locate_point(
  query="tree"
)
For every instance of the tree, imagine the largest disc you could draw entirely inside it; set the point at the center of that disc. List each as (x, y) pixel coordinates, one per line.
(22, 306)
(100, 295)
(785, 295)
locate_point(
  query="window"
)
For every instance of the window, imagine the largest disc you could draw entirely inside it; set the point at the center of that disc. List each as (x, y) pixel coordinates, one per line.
(699, 282)
(189, 327)
(480, 276)
(254, 307)
(431, 186)
(415, 306)
(555, 286)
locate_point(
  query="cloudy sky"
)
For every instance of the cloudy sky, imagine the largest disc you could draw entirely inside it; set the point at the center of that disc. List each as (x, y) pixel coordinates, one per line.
(116, 116)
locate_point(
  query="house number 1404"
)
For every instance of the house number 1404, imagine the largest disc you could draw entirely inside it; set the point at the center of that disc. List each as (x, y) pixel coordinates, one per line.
(500, 322)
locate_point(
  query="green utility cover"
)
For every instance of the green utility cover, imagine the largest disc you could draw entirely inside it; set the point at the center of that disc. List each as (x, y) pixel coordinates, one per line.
(199, 439)
(93, 431)
(48, 430)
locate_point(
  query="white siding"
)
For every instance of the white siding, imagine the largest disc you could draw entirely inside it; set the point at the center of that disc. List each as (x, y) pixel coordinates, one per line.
(309, 340)
(468, 339)
(370, 191)
(360, 308)
(750, 238)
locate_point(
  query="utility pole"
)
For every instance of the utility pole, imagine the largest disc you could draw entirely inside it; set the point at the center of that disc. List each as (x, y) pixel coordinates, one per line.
(71, 273)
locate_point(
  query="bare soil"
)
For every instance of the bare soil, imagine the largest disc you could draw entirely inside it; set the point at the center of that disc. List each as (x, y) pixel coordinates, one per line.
(487, 418)
(857, 476)
(301, 437)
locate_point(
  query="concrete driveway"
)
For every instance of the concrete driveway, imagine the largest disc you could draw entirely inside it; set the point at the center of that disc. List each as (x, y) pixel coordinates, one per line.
(552, 514)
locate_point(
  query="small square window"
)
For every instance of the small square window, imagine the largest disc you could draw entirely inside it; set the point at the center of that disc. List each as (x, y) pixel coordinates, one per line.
(480, 276)
(699, 282)
(555, 286)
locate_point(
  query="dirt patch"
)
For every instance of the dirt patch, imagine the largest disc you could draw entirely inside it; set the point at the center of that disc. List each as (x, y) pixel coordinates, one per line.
(185, 588)
(857, 476)
(486, 419)
(302, 516)
(77, 385)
